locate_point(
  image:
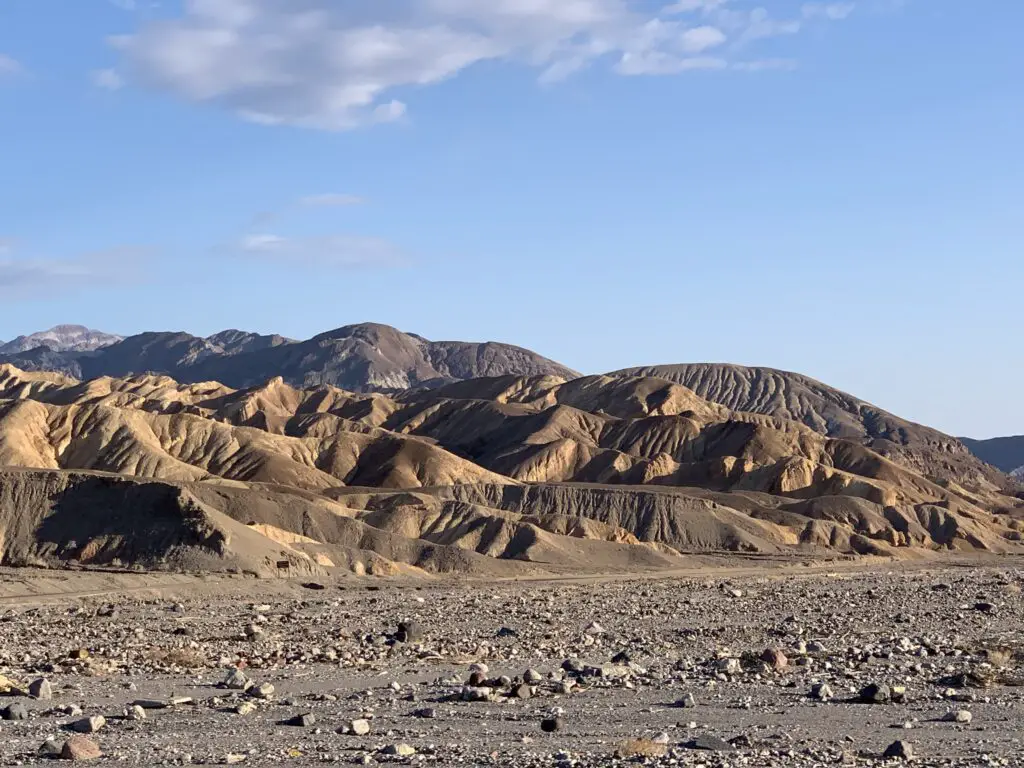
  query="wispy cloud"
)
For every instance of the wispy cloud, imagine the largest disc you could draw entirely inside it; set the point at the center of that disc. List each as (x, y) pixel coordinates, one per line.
(9, 66)
(330, 251)
(6, 245)
(108, 79)
(766, 65)
(331, 200)
(36, 279)
(323, 200)
(830, 11)
(338, 65)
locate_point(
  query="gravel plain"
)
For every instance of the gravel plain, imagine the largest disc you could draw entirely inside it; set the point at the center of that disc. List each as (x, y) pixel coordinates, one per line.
(786, 667)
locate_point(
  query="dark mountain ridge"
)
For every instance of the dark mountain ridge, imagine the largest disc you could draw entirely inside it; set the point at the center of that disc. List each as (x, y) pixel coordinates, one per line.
(1006, 453)
(360, 358)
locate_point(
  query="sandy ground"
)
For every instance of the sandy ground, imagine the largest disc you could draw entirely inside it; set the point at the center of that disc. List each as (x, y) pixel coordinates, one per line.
(949, 635)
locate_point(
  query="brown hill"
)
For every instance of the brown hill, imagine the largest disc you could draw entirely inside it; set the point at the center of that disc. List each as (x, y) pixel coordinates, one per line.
(597, 473)
(830, 412)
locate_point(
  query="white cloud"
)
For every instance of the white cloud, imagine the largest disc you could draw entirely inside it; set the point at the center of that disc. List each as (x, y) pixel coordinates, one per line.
(108, 79)
(9, 66)
(700, 39)
(689, 6)
(758, 25)
(263, 243)
(830, 11)
(332, 200)
(659, 63)
(29, 279)
(766, 65)
(330, 251)
(336, 65)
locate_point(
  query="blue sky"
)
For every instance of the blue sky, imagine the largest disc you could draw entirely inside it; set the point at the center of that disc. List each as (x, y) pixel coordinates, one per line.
(835, 188)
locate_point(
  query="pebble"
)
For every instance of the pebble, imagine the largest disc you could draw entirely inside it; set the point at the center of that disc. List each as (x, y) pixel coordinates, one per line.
(401, 750)
(359, 727)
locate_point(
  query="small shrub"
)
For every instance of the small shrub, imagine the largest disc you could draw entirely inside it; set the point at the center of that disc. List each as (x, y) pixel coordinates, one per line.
(641, 748)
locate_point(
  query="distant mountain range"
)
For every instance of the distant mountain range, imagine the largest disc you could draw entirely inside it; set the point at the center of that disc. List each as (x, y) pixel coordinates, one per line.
(61, 338)
(1006, 453)
(359, 358)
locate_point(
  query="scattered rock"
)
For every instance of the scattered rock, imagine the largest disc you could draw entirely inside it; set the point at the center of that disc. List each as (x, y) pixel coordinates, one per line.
(775, 658)
(80, 748)
(262, 691)
(551, 724)
(89, 724)
(149, 704)
(532, 676)
(710, 743)
(730, 666)
(15, 711)
(408, 632)
(899, 750)
(687, 701)
(40, 689)
(236, 680)
(50, 748)
(402, 750)
(359, 727)
(876, 693)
